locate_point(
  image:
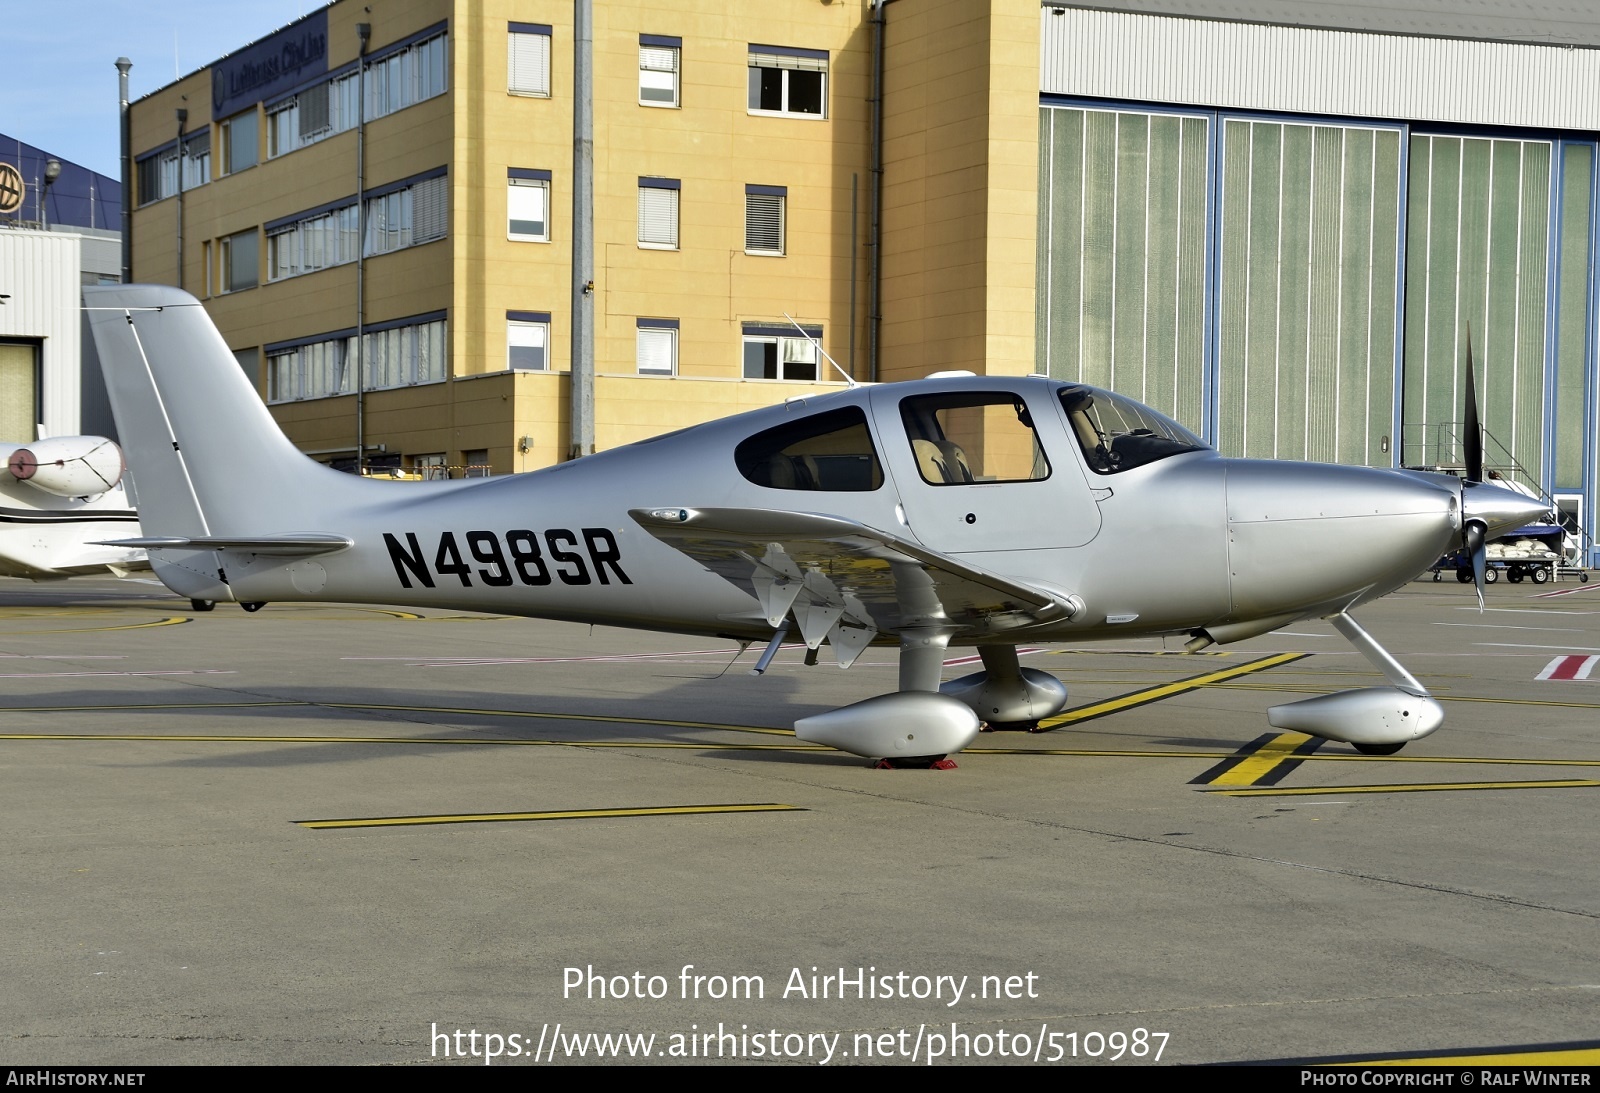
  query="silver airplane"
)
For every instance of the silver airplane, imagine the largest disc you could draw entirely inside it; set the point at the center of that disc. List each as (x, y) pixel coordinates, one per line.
(965, 511)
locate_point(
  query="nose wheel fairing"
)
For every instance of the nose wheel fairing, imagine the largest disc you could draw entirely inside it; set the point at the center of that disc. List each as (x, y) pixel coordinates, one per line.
(1377, 720)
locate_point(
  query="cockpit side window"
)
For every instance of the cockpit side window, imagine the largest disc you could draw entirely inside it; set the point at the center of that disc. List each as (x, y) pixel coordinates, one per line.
(970, 437)
(1118, 434)
(830, 452)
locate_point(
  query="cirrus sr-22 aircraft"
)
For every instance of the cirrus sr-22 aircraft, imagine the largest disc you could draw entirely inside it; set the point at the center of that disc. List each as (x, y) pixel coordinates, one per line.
(952, 511)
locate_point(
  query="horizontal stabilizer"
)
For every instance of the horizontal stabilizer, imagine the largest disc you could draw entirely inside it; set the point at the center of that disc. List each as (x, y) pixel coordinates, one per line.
(289, 546)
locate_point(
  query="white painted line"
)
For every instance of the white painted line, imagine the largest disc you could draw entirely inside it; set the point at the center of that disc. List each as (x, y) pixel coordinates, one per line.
(455, 662)
(1530, 611)
(975, 657)
(1509, 645)
(1504, 626)
(1298, 634)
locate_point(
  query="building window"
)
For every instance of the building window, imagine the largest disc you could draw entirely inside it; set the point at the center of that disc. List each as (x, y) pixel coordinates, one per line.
(312, 115)
(789, 82)
(658, 69)
(250, 364)
(314, 370)
(780, 353)
(241, 261)
(406, 77)
(313, 243)
(528, 59)
(158, 176)
(528, 205)
(763, 219)
(408, 214)
(197, 159)
(528, 341)
(397, 354)
(430, 467)
(658, 213)
(240, 145)
(657, 347)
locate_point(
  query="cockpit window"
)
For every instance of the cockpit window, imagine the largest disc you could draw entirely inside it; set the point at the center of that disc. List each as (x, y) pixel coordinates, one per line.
(1118, 434)
(967, 437)
(831, 452)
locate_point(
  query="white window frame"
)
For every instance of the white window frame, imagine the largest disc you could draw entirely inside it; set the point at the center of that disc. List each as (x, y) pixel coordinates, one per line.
(225, 279)
(658, 214)
(284, 133)
(407, 217)
(197, 158)
(514, 186)
(785, 61)
(403, 354)
(795, 350)
(655, 342)
(225, 129)
(162, 170)
(315, 243)
(527, 334)
(763, 203)
(659, 64)
(405, 77)
(528, 60)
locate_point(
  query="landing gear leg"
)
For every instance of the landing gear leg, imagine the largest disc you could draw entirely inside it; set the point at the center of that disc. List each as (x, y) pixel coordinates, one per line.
(1007, 696)
(1375, 720)
(921, 664)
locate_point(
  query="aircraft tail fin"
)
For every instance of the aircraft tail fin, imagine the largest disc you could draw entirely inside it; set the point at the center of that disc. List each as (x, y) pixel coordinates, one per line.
(208, 458)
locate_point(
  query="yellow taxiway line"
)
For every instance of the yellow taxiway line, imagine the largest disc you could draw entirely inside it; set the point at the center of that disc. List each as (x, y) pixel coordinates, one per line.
(1410, 787)
(1146, 695)
(566, 814)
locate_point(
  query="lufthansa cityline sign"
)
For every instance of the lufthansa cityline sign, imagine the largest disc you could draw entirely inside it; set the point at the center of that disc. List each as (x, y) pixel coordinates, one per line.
(295, 54)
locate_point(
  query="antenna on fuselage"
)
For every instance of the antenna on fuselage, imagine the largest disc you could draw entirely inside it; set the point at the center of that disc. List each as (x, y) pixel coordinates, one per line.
(804, 333)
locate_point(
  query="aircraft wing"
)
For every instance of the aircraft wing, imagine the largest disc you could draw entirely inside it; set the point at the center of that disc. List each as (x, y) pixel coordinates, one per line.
(846, 581)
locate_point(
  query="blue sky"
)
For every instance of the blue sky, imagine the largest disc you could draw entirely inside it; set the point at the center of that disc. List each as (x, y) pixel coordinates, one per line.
(58, 80)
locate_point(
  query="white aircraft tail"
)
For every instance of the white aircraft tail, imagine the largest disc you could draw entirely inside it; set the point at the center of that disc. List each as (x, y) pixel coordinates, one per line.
(209, 459)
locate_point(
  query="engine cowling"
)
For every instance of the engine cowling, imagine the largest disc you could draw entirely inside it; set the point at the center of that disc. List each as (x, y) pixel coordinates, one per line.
(69, 466)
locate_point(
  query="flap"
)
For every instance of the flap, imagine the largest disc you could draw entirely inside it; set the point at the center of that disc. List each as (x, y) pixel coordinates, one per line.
(818, 565)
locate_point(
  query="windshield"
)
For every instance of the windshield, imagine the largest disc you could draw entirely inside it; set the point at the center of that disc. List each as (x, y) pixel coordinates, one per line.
(1118, 434)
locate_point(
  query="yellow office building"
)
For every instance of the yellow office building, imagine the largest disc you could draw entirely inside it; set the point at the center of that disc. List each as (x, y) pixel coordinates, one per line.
(734, 153)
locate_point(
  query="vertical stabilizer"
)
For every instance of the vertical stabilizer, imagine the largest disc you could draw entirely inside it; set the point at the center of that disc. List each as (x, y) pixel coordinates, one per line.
(208, 458)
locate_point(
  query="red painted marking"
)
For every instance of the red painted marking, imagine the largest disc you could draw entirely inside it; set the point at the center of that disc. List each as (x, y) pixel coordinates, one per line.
(1569, 667)
(1568, 591)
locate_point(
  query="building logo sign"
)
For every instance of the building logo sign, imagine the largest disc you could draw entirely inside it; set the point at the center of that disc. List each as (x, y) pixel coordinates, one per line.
(293, 55)
(11, 188)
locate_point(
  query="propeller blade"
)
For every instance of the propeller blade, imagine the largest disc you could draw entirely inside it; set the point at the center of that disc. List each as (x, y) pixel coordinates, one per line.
(1472, 443)
(1472, 538)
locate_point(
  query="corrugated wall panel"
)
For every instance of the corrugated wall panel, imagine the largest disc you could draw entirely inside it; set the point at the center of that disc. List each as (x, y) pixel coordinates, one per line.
(39, 270)
(1153, 58)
